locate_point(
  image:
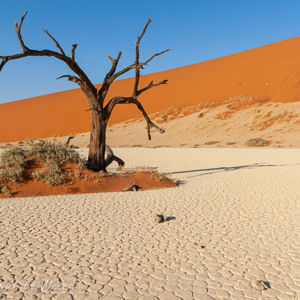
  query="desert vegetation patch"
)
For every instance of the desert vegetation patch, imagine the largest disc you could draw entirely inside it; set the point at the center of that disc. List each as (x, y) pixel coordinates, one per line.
(49, 168)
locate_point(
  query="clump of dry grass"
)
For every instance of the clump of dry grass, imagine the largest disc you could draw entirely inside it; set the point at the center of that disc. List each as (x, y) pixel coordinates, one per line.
(12, 165)
(53, 155)
(257, 142)
(52, 175)
(6, 191)
(158, 176)
(153, 173)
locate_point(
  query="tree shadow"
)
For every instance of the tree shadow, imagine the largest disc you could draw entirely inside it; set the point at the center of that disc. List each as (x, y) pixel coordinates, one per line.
(224, 169)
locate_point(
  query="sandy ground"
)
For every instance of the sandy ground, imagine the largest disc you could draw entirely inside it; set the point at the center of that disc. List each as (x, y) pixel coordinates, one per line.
(235, 221)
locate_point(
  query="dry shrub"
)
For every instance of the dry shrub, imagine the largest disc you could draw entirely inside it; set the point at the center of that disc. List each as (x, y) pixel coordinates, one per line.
(257, 142)
(77, 174)
(53, 175)
(211, 142)
(53, 155)
(6, 191)
(12, 165)
(58, 154)
(155, 175)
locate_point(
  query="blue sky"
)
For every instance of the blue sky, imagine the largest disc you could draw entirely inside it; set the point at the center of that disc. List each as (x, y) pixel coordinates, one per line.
(195, 30)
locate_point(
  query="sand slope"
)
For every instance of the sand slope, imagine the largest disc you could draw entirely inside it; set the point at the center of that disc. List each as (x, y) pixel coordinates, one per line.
(269, 73)
(226, 125)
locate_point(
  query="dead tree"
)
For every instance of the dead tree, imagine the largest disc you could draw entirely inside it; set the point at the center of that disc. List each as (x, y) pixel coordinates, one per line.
(100, 113)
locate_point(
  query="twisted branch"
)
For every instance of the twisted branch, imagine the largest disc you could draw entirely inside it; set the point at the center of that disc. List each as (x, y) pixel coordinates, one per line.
(130, 100)
(151, 85)
(83, 81)
(71, 78)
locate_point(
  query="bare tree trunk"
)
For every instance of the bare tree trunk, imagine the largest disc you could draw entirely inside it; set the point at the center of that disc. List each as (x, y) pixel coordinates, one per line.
(99, 113)
(96, 159)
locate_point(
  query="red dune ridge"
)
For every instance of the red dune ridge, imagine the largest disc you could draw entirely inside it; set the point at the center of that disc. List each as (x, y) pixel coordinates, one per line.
(268, 73)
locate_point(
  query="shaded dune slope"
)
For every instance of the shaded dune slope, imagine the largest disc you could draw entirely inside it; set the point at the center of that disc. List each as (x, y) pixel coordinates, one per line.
(268, 73)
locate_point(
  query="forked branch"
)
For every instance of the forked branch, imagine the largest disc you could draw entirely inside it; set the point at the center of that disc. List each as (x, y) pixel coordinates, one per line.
(108, 78)
(151, 85)
(154, 55)
(18, 27)
(136, 92)
(55, 42)
(112, 74)
(141, 65)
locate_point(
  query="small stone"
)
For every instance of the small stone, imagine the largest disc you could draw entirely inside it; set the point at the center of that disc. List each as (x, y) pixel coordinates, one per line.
(262, 285)
(160, 218)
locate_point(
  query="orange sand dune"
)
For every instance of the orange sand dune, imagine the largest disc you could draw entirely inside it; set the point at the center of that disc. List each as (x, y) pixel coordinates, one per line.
(269, 73)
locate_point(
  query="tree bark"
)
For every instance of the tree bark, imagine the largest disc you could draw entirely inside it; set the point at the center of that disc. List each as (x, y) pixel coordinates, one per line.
(96, 159)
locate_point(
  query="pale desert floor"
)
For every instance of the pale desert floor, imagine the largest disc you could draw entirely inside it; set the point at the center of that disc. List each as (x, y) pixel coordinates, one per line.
(235, 221)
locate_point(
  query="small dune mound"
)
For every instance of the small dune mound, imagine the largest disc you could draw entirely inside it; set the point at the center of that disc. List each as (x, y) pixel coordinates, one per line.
(50, 168)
